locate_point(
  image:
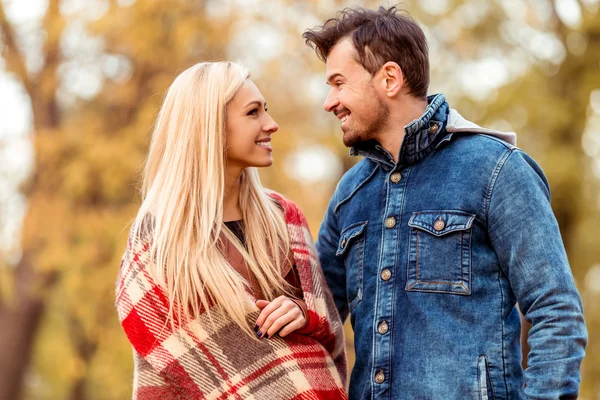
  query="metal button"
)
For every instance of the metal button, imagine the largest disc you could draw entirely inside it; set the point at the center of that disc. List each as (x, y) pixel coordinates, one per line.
(379, 377)
(433, 128)
(383, 328)
(395, 177)
(439, 224)
(390, 222)
(386, 274)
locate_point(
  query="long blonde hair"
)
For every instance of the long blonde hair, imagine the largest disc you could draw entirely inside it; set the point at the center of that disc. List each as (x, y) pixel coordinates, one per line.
(183, 190)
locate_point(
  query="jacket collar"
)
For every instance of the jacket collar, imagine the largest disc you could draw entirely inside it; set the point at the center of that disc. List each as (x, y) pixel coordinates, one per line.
(437, 125)
(418, 136)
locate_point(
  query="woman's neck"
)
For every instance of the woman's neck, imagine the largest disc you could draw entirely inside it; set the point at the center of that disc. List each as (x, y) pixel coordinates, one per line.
(231, 200)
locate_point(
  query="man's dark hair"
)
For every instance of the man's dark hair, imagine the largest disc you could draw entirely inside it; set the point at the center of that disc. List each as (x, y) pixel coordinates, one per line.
(378, 37)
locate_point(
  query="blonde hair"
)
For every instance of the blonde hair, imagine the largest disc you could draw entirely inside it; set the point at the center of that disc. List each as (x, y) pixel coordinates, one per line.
(183, 191)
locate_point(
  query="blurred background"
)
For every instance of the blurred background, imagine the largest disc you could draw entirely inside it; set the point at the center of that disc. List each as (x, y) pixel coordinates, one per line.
(81, 82)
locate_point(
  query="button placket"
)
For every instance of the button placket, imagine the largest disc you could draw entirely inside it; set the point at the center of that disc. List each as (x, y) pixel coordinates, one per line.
(384, 315)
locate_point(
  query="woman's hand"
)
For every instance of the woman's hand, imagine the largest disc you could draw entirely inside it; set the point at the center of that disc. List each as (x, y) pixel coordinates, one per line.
(281, 313)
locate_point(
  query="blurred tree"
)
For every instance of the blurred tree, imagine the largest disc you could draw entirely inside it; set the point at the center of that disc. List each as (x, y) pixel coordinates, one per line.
(22, 308)
(58, 300)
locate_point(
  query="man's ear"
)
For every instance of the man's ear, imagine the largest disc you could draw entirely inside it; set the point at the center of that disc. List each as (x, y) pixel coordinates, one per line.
(392, 78)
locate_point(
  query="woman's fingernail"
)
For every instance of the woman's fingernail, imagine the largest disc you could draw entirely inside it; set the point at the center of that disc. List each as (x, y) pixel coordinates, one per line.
(255, 328)
(259, 334)
(266, 336)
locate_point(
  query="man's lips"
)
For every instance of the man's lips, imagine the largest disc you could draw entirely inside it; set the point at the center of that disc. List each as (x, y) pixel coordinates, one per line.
(342, 114)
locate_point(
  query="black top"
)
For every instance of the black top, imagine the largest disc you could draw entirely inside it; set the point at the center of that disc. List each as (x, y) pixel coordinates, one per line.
(237, 228)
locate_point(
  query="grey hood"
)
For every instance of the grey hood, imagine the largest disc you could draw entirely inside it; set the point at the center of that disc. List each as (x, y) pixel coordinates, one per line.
(457, 124)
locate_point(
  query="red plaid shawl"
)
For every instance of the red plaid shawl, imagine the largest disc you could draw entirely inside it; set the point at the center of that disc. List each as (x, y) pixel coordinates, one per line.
(199, 362)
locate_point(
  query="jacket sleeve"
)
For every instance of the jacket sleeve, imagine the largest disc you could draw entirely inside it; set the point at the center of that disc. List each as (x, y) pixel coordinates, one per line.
(333, 267)
(525, 235)
(142, 306)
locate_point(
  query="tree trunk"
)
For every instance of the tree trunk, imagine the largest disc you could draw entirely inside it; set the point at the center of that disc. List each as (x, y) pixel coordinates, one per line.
(19, 329)
(19, 324)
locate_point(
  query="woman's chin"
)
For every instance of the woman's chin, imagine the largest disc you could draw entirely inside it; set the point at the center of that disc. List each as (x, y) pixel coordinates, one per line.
(262, 163)
(267, 164)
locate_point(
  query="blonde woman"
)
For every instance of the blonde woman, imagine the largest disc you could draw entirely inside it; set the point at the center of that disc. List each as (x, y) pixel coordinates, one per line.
(220, 291)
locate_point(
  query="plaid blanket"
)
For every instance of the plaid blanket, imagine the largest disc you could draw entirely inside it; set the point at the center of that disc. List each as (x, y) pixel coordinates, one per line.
(197, 361)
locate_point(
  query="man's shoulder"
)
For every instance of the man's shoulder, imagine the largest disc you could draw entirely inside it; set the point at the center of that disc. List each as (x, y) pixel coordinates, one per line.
(485, 155)
(477, 144)
(477, 157)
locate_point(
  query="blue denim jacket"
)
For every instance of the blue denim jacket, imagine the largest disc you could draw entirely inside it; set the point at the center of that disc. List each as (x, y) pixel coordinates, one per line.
(429, 256)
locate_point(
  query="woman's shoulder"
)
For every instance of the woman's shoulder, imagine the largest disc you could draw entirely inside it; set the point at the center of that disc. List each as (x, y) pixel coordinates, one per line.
(293, 214)
(280, 199)
(141, 232)
(137, 255)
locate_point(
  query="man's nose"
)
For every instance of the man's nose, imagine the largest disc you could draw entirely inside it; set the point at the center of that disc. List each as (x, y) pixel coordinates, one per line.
(331, 102)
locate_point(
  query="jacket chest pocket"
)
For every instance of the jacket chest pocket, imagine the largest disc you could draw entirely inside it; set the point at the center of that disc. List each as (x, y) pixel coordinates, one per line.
(440, 252)
(351, 248)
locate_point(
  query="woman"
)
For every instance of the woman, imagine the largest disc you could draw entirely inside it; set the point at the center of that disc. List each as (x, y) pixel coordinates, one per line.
(220, 291)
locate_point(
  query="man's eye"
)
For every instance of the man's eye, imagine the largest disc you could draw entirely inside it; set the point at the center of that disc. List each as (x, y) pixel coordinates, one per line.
(338, 83)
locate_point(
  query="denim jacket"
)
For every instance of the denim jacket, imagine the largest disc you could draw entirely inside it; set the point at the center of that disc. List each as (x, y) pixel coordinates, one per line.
(429, 256)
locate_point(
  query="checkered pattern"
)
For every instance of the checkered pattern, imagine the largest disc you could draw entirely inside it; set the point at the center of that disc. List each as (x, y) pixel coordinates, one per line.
(202, 361)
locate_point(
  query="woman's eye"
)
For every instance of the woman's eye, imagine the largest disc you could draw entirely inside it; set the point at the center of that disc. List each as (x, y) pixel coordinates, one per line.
(254, 111)
(338, 83)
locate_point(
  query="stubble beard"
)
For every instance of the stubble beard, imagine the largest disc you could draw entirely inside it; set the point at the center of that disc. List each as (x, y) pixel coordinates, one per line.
(373, 126)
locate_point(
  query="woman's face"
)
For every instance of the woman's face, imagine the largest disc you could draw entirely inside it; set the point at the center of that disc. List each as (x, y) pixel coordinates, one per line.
(249, 129)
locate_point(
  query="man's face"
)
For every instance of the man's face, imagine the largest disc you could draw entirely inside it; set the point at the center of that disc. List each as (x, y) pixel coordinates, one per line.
(353, 97)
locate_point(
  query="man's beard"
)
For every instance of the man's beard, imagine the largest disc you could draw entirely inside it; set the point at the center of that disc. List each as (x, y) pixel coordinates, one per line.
(373, 126)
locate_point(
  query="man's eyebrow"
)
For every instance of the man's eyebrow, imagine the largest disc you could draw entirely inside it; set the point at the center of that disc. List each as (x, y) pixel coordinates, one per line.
(332, 77)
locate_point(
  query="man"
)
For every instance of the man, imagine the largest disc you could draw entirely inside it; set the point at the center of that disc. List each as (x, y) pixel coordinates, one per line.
(432, 238)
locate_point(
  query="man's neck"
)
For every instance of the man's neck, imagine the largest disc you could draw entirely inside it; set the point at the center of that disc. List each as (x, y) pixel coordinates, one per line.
(401, 114)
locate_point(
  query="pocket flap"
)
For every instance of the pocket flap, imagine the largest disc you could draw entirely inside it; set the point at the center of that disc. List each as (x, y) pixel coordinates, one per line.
(348, 235)
(440, 223)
